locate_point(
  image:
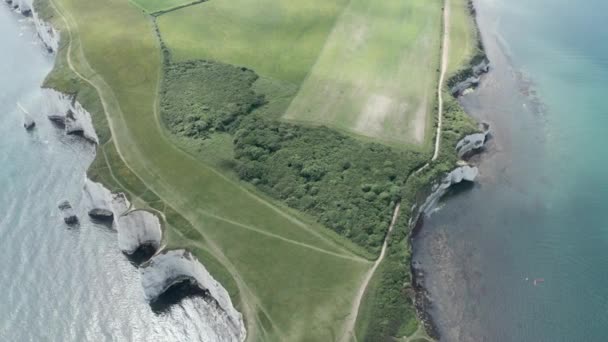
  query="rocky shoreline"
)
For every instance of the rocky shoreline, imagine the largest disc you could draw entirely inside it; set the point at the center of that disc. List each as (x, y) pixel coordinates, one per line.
(459, 84)
(461, 174)
(139, 231)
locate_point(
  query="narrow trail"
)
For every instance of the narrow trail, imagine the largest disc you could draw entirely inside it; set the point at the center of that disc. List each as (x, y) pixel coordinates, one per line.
(445, 56)
(249, 300)
(302, 225)
(349, 330)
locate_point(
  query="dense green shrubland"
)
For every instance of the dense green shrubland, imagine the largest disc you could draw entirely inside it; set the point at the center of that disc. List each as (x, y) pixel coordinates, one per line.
(200, 97)
(344, 183)
(348, 185)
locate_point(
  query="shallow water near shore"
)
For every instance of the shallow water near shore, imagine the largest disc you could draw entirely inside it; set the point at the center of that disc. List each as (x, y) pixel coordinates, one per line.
(60, 283)
(539, 209)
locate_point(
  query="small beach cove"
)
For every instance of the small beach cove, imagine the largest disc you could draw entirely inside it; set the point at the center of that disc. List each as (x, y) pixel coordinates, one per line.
(517, 257)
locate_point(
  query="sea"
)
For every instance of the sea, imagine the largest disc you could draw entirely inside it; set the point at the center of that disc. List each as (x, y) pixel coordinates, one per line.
(522, 255)
(59, 283)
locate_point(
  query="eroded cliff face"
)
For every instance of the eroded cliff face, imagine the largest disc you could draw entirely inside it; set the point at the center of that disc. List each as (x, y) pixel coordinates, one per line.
(66, 112)
(176, 266)
(473, 143)
(458, 175)
(139, 229)
(48, 35)
(136, 228)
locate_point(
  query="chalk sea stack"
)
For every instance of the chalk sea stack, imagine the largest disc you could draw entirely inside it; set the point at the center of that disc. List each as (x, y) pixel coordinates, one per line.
(28, 122)
(69, 216)
(100, 214)
(57, 119)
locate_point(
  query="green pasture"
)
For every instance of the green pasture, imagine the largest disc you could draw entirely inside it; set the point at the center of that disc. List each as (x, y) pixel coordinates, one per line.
(280, 39)
(463, 35)
(293, 279)
(376, 73)
(279, 260)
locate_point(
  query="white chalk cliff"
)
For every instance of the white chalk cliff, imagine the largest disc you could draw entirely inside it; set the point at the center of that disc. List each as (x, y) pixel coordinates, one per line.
(171, 267)
(137, 226)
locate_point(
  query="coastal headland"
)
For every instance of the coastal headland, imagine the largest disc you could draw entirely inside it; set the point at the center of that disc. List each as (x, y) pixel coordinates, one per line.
(291, 217)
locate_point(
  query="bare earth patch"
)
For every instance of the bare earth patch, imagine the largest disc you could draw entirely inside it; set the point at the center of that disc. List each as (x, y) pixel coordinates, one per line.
(419, 127)
(373, 115)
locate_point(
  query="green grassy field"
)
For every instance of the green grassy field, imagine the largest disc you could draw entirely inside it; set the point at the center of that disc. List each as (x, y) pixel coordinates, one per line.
(463, 35)
(376, 73)
(295, 279)
(363, 68)
(280, 39)
(156, 6)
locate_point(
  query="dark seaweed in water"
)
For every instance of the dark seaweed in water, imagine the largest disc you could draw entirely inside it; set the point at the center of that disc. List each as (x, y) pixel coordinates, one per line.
(182, 289)
(422, 300)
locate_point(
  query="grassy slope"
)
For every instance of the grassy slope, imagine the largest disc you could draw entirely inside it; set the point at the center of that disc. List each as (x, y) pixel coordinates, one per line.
(376, 73)
(463, 36)
(377, 302)
(114, 47)
(280, 39)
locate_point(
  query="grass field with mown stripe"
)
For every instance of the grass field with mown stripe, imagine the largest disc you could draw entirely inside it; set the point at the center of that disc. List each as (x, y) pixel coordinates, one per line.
(376, 73)
(363, 68)
(280, 39)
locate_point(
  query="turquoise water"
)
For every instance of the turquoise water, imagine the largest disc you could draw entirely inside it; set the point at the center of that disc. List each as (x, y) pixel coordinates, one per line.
(539, 210)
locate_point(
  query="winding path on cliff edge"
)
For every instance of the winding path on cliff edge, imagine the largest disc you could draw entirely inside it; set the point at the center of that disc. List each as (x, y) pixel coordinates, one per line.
(349, 330)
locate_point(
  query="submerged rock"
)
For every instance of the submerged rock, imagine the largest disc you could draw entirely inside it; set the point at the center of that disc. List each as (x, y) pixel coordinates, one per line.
(179, 267)
(69, 216)
(64, 205)
(28, 122)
